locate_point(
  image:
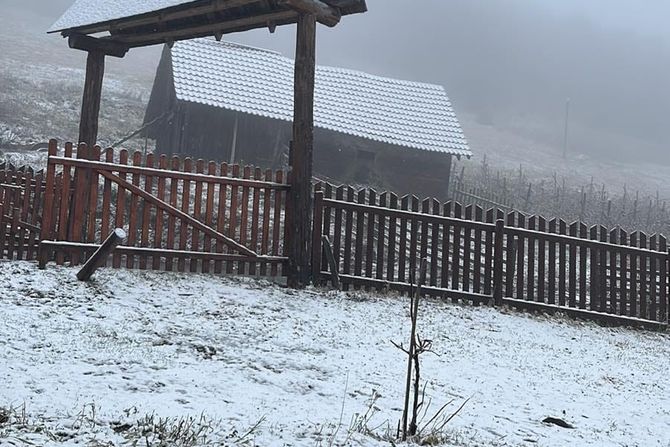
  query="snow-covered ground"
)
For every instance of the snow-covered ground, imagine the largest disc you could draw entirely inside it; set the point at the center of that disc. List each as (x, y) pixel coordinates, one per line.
(89, 361)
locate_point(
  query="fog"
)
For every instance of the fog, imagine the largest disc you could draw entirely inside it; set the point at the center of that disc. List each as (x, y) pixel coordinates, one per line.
(510, 64)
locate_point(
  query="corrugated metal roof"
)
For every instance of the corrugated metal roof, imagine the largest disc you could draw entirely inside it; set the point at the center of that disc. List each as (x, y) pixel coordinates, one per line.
(89, 12)
(260, 82)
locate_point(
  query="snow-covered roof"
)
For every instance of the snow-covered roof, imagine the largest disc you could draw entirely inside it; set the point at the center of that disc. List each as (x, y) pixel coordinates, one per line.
(260, 82)
(89, 12)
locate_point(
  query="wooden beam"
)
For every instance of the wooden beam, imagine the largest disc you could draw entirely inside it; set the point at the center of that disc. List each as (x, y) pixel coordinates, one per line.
(300, 195)
(87, 43)
(165, 16)
(227, 26)
(90, 104)
(325, 14)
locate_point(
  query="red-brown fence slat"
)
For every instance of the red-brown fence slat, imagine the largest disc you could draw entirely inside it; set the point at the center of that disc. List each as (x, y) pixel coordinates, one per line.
(65, 198)
(221, 215)
(348, 236)
(105, 221)
(133, 212)
(158, 226)
(244, 218)
(146, 210)
(36, 212)
(185, 208)
(171, 218)
(265, 237)
(23, 203)
(197, 214)
(77, 220)
(255, 220)
(279, 203)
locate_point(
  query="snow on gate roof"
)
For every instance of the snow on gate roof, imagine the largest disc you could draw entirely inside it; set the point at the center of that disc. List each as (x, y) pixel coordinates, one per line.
(260, 82)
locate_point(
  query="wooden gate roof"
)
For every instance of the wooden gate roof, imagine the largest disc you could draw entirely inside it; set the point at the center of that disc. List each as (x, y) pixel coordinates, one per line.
(135, 23)
(260, 82)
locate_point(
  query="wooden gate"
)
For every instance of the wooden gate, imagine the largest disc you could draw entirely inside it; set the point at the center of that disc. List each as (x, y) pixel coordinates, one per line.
(218, 218)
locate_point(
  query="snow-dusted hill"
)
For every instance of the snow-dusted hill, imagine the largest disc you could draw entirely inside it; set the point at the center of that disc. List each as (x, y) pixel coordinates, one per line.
(89, 361)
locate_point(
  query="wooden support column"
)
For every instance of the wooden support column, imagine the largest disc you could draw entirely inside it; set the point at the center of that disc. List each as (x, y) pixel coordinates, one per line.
(90, 105)
(299, 237)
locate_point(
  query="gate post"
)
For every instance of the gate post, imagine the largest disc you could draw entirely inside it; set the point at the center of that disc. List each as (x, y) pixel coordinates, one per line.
(498, 263)
(300, 195)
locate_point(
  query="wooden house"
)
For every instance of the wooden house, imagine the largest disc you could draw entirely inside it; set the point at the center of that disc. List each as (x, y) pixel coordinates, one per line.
(228, 102)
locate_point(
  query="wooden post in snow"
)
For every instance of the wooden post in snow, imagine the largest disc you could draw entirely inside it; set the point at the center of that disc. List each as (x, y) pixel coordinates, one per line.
(100, 256)
(300, 195)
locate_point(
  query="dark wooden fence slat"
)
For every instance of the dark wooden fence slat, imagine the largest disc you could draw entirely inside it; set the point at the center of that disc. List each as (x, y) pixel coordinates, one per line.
(381, 236)
(510, 258)
(634, 279)
(613, 271)
(562, 264)
(348, 236)
(337, 237)
(370, 242)
(360, 221)
(583, 273)
(530, 276)
(541, 261)
(551, 273)
(663, 278)
(402, 255)
(119, 218)
(467, 251)
(572, 271)
(623, 276)
(265, 236)
(279, 204)
(390, 259)
(255, 219)
(413, 245)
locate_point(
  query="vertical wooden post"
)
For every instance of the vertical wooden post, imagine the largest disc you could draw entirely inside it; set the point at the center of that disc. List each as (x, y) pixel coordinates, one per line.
(299, 238)
(498, 263)
(90, 105)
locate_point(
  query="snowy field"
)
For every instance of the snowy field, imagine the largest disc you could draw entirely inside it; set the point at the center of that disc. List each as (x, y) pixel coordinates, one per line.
(133, 356)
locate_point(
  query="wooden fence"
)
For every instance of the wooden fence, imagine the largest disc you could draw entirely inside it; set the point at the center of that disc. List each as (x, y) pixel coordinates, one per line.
(21, 191)
(490, 256)
(181, 215)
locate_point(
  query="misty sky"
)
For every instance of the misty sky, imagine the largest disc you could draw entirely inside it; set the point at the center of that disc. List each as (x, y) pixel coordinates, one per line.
(510, 63)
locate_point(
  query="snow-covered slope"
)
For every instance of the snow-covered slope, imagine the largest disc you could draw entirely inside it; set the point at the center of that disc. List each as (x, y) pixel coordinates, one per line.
(85, 359)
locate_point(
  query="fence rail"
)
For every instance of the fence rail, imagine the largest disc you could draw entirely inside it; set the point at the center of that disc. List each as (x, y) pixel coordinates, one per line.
(491, 256)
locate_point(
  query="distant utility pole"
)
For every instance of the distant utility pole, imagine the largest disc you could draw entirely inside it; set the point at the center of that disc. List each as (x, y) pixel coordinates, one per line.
(565, 134)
